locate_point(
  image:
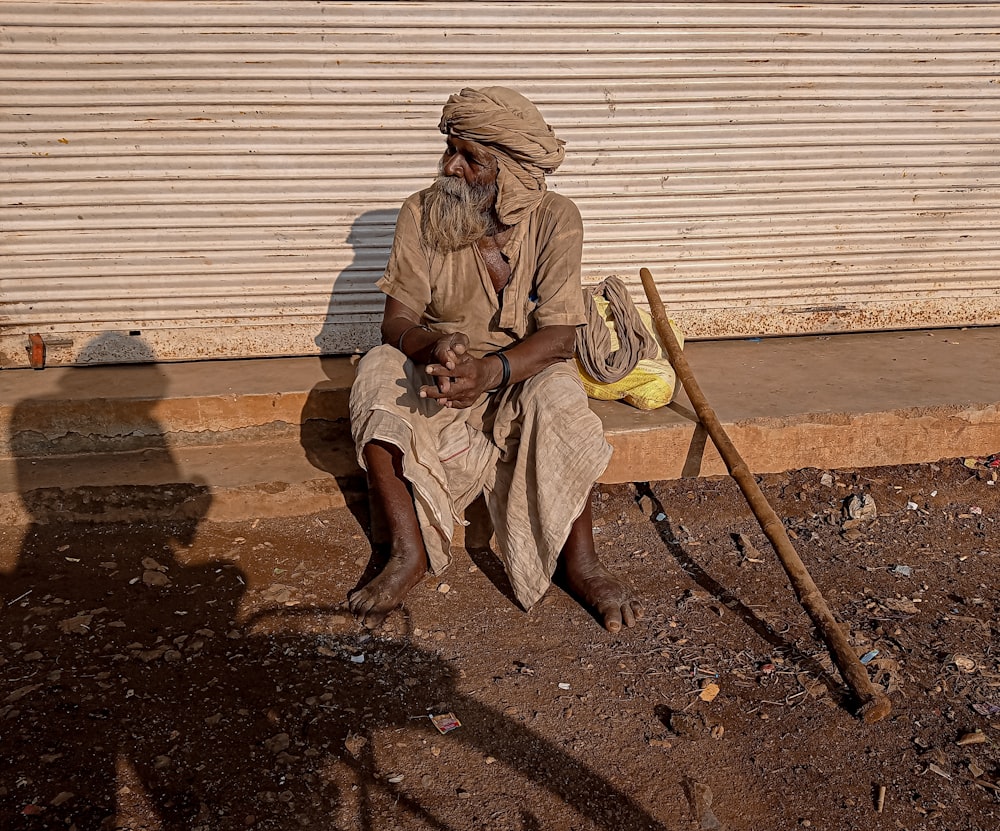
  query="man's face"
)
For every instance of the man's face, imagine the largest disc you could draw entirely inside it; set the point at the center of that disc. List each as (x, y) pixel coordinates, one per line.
(458, 207)
(470, 162)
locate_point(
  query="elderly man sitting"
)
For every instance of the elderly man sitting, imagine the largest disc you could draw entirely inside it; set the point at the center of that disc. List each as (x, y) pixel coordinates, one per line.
(473, 390)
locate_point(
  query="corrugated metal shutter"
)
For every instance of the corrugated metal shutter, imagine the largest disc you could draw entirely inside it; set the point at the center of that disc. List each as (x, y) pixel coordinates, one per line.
(222, 177)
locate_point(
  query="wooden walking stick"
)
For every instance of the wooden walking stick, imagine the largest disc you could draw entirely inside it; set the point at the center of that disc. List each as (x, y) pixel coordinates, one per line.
(873, 704)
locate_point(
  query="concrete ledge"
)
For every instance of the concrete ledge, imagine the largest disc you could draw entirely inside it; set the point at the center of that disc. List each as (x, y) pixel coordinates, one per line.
(270, 437)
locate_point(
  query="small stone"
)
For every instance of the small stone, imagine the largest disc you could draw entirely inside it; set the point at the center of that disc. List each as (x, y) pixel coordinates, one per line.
(444, 588)
(354, 743)
(78, 625)
(709, 692)
(464, 794)
(277, 743)
(155, 578)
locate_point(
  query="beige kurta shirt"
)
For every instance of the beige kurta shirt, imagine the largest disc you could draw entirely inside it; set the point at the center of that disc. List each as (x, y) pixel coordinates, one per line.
(541, 448)
(453, 293)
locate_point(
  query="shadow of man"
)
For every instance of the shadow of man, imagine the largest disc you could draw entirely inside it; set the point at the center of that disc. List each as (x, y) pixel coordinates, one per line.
(90, 596)
(137, 691)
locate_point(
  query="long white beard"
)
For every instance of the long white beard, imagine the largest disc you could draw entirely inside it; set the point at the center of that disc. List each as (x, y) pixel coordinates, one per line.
(457, 214)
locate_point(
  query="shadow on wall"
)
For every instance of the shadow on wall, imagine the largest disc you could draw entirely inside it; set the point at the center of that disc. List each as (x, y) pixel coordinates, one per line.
(348, 325)
(325, 433)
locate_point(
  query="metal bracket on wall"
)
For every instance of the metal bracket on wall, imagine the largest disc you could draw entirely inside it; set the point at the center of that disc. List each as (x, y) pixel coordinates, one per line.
(36, 351)
(38, 346)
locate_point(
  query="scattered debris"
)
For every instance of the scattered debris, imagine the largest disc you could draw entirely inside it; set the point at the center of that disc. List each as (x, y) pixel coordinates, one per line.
(869, 656)
(933, 768)
(901, 571)
(685, 725)
(964, 663)
(975, 737)
(277, 743)
(700, 798)
(747, 549)
(860, 507)
(880, 799)
(709, 691)
(354, 744)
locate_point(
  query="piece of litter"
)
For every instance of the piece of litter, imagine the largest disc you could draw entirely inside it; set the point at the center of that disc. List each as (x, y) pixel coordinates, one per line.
(911, 506)
(901, 571)
(395, 779)
(976, 737)
(563, 685)
(444, 588)
(868, 657)
(826, 480)
(861, 507)
(942, 773)
(660, 517)
(358, 659)
(446, 722)
(975, 510)
(964, 663)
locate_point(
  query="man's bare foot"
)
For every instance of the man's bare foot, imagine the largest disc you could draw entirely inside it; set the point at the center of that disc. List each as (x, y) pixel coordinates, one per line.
(597, 589)
(384, 593)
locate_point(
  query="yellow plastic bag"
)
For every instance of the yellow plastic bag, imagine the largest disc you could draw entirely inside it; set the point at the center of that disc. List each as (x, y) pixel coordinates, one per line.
(650, 385)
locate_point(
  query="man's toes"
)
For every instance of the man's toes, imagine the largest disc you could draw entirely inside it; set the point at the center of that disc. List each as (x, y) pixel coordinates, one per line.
(373, 620)
(628, 616)
(611, 615)
(361, 603)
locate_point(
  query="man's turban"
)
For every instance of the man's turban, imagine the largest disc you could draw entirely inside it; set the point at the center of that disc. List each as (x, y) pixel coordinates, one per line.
(525, 146)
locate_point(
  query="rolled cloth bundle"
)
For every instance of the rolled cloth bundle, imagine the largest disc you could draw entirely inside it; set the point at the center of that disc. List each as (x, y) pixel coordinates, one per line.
(525, 146)
(593, 341)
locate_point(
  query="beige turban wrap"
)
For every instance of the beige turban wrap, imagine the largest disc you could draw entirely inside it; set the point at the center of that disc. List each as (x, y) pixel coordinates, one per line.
(525, 146)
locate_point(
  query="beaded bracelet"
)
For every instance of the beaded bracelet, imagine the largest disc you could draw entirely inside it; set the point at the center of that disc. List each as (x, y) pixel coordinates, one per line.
(505, 370)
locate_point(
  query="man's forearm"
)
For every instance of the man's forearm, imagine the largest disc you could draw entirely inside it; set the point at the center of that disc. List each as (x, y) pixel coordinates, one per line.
(540, 350)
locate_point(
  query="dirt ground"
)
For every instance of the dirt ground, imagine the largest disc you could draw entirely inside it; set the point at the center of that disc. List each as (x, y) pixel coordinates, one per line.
(177, 675)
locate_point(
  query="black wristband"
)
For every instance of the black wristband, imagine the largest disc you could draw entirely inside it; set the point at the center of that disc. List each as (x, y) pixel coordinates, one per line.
(505, 370)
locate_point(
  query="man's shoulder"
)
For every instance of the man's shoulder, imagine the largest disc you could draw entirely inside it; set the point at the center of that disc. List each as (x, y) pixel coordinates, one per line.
(413, 202)
(560, 209)
(558, 205)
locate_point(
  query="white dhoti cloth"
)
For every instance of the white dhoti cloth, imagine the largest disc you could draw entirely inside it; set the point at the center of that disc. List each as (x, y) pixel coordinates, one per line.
(535, 450)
